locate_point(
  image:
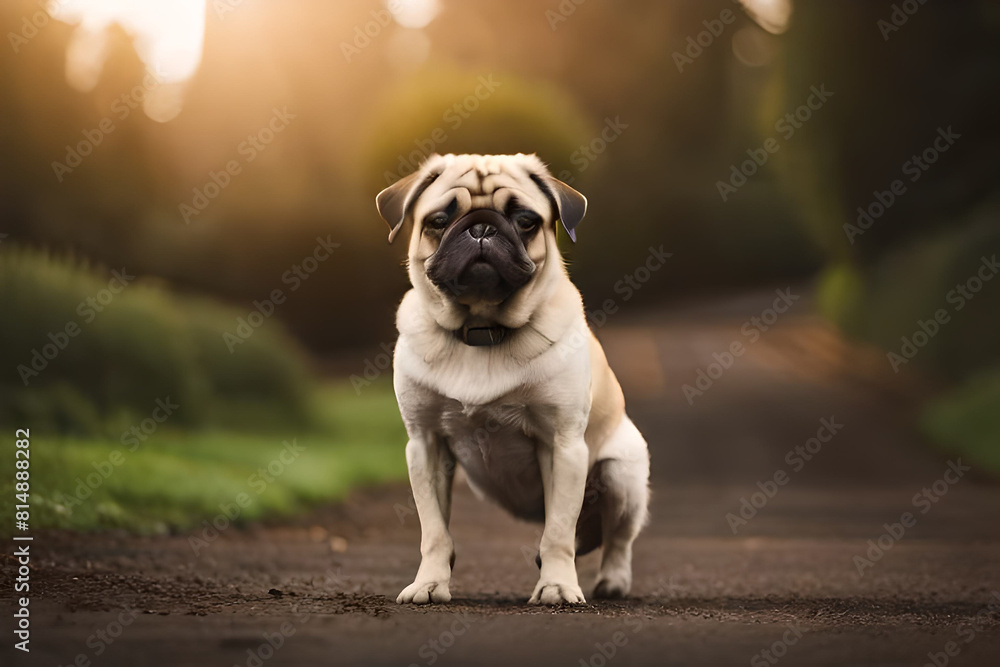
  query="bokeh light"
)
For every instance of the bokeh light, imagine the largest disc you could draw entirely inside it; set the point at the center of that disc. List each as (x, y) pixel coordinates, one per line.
(168, 37)
(413, 13)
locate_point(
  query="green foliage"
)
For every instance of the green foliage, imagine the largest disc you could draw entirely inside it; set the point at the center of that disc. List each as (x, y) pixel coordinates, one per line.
(510, 115)
(175, 480)
(899, 237)
(890, 97)
(130, 349)
(967, 422)
(914, 283)
(90, 468)
(840, 296)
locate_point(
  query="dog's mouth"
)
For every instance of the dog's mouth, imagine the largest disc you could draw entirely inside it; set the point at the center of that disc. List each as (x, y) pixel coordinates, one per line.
(480, 258)
(480, 272)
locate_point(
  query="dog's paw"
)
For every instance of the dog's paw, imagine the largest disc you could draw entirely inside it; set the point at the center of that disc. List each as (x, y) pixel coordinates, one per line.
(551, 593)
(611, 588)
(424, 592)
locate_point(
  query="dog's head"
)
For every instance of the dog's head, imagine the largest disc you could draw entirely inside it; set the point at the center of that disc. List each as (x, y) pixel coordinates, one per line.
(483, 232)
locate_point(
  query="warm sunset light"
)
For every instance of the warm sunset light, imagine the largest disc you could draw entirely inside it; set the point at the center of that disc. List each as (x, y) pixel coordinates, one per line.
(168, 37)
(413, 13)
(772, 15)
(520, 332)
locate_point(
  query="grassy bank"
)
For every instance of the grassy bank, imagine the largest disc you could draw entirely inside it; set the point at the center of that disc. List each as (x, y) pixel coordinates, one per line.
(174, 479)
(152, 410)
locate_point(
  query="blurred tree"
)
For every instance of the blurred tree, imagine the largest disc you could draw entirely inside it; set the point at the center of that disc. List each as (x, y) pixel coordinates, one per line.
(896, 176)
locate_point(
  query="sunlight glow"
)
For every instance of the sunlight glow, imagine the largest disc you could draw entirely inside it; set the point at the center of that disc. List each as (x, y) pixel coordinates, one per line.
(771, 15)
(168, 37)
(413, 13)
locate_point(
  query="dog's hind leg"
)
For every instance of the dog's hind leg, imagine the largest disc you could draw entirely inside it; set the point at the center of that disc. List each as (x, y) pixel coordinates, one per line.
(624, 499)
(588, 527)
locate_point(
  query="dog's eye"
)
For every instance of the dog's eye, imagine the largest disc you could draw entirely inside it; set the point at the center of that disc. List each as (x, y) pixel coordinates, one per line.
(437, 220)
(526, 220)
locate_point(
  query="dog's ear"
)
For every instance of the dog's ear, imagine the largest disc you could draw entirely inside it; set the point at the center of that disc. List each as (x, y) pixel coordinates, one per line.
(572, 207)
(570, 204)
(395, 202)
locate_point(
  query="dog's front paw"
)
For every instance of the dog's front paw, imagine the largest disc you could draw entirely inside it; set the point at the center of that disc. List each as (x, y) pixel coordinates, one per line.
(423, 592)
(551, 593)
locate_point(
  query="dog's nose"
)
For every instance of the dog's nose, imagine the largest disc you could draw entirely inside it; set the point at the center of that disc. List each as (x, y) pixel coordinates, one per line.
(482, 230)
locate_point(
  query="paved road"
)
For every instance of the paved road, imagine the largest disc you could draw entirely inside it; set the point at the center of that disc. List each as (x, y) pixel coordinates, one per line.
(787, 588)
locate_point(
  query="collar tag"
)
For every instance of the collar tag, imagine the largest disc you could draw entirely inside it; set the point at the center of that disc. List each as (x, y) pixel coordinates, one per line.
(482, 336)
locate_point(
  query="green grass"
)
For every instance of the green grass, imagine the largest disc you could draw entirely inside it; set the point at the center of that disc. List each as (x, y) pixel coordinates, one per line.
(176, 479)
(966, 422)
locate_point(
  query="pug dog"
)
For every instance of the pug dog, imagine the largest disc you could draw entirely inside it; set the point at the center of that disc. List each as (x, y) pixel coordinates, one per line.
(496, 371)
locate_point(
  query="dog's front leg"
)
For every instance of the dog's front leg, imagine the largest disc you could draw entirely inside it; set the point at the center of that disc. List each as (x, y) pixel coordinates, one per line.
(431, 469)
(564, 476)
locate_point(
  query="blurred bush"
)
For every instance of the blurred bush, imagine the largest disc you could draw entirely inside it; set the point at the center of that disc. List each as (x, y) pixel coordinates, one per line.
(893, 91)
(642, 192)
(891, 297)
(902, 83)
(550, 92)
(450, 111)
(133, 348)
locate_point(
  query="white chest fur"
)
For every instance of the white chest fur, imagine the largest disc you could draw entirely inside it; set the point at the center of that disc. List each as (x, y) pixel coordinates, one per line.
(492, 409)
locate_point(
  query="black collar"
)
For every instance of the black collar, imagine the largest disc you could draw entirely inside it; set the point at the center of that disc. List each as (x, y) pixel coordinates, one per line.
(482, 336)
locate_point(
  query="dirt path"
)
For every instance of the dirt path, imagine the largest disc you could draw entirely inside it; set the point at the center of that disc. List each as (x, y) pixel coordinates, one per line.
(784, 589)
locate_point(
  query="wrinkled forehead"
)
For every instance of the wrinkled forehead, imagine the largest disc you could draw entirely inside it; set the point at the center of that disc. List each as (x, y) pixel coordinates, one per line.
(488, 184)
